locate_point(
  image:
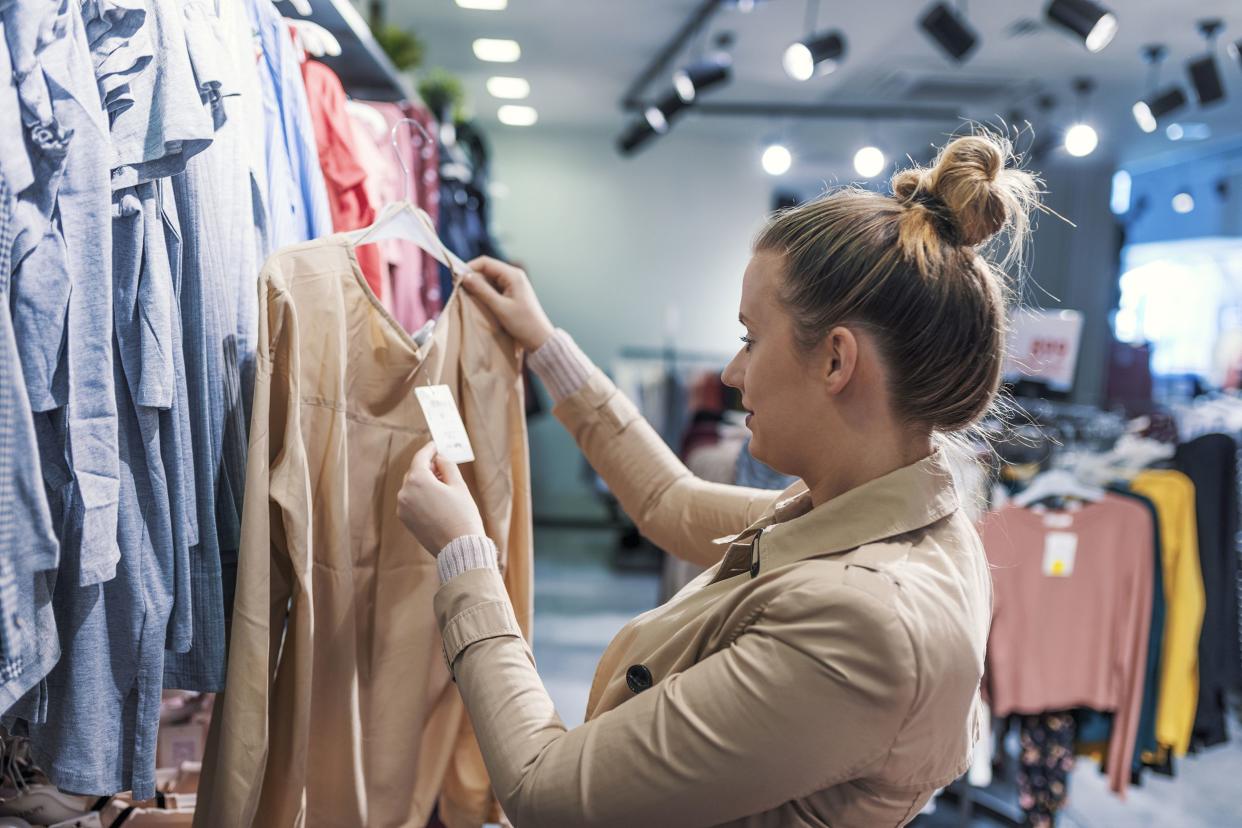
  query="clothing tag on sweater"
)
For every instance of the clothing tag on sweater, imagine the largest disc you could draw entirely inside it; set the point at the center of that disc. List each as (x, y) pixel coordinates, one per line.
(1058, 520)
(447, 430)
(1060, 549)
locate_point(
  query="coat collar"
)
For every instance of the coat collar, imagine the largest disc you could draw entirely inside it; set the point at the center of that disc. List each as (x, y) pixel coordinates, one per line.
(901, 501)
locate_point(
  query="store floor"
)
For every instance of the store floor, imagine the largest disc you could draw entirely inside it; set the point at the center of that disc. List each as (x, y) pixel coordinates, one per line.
(580, 603)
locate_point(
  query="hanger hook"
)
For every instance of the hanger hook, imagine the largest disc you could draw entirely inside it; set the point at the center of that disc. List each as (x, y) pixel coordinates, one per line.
(405, 178)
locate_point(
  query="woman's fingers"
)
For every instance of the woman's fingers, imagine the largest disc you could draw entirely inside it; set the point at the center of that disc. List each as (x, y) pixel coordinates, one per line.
(447, 470)
(500, 274)
(480, 288)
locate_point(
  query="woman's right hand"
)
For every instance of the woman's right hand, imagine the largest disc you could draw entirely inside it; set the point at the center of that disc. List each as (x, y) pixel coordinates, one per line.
(506, 291)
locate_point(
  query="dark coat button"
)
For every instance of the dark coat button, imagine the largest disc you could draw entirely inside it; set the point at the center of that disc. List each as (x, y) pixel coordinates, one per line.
(638, 678)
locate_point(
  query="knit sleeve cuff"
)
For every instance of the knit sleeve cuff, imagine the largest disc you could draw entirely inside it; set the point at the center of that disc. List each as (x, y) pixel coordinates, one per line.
(561, 364)
(464, 554)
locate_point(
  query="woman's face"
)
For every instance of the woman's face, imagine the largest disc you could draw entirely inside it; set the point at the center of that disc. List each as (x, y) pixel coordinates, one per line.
(781, 389)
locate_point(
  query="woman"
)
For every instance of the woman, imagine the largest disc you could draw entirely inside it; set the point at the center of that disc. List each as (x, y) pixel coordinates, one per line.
(825, 670)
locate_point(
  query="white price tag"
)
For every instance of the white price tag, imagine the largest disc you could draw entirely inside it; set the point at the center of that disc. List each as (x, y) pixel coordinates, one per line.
(447, 430)
(1060, 549)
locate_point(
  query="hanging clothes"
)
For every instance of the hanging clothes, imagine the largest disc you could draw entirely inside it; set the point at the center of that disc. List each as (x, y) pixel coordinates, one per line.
(427, 181)
(342, 712)
(1056, 574)
(1210, 461)
(352, 208)
(407, 265)
(296, 197)
(1173, 495)
(1045, 761)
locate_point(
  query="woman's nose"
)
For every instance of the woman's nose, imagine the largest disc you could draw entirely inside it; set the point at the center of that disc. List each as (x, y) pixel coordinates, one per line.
(731, 375)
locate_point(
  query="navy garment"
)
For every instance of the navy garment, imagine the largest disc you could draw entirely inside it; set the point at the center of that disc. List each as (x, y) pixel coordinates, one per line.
(1210, 462)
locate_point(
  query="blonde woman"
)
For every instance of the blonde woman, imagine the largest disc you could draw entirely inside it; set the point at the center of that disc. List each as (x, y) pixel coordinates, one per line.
(825, 670)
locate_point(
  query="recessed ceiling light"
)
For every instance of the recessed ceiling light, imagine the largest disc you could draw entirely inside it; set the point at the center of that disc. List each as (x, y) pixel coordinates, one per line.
(514, 115)
(513, 89)
(484, 5)
(497, 51)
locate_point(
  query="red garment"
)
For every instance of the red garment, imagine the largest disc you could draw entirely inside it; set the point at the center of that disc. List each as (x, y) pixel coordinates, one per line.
(338, 158)
(1072, 634)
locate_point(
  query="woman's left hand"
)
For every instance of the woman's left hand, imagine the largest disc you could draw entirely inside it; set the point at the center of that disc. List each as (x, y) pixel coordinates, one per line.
(434, 503)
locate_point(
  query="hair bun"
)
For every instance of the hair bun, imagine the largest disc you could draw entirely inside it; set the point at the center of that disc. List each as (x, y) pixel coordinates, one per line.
(971, 185)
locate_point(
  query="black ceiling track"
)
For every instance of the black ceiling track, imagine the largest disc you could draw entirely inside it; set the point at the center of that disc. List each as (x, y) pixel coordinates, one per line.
(636, 99)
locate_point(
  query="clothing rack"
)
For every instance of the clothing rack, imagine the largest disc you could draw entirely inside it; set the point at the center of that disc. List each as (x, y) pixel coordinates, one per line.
(364, 69)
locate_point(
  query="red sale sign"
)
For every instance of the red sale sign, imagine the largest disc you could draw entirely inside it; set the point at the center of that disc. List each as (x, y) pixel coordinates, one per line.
(1043, 345)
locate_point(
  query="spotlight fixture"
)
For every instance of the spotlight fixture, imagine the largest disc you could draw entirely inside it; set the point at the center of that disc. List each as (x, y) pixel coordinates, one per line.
(661, 114)
(1157, 104)
(1088, 20)
(1183, 202)
(819, 54)
(869, 162)
(1235, 50)
(776, 159)
(694, 79)
(637, 134)
(1081, 138)
(949, 28)
(1149, 111)
(1204, 74)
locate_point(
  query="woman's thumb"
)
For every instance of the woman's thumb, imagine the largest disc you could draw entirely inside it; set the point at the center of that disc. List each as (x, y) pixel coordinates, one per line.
(447, 470)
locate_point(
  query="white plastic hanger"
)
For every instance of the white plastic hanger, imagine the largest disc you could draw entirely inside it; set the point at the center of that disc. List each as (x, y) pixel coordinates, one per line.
(404, 219)
(1057, 483)
(314, 39)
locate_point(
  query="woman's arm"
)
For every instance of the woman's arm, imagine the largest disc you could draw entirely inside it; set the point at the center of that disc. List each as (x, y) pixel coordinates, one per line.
(803, 699)
(680, 512)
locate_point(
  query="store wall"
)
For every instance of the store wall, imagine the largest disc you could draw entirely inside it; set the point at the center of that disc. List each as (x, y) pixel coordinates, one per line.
(1215, 184)
(1075, 265)
(625, 252)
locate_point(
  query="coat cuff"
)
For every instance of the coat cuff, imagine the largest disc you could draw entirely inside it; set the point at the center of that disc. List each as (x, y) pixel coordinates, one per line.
(561, 364)
(473, 607)
(466, 553)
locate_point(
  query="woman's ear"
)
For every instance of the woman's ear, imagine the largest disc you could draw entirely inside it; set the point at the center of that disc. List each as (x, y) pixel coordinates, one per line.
(839, 358)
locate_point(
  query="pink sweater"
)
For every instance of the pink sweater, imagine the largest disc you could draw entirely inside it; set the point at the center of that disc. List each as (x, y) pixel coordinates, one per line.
(1070, 628)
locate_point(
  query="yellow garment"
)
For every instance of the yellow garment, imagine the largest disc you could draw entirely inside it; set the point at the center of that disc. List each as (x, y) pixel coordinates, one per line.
(1174, 497)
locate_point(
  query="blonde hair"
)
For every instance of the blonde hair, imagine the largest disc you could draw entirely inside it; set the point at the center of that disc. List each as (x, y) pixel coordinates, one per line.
(917, 269)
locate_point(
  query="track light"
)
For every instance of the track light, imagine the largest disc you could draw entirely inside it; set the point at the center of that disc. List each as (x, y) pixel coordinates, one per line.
(776, 159)
(1149, 111)
(819, 54)
(1183, 202)
(1204, 74)
(660, 116)
(1235, 50)
(700, 76)
(1157, 104)
(637, 134)
(950, 30)
(1088, 20)
(869, 162)
(1081, 140)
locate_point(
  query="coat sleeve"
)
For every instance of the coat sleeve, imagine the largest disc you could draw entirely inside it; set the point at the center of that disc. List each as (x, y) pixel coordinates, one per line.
(826, 692)
(679, 512)
(271, 613)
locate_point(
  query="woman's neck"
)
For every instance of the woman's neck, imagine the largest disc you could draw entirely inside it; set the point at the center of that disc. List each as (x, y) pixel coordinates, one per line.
(863, 461)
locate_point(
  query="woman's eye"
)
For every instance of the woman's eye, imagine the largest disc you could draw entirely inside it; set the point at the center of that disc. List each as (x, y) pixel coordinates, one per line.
(747, 341)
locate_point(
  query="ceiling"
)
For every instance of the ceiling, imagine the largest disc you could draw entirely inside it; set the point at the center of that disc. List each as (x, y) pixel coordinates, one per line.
(581, 55)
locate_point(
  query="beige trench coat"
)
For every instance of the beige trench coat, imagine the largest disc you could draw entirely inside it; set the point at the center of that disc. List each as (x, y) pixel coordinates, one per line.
(825, 672)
